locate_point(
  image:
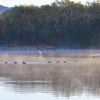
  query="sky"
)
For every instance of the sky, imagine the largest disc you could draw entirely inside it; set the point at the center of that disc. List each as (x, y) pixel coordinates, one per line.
(12, 3)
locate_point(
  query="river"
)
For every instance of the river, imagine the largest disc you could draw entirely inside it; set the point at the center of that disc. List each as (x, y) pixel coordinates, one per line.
(54, 75)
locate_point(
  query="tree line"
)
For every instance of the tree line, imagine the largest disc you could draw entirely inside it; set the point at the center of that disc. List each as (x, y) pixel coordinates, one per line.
(61, 24)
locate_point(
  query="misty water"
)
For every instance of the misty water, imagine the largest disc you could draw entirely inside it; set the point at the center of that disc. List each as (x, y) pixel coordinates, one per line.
(54, 75)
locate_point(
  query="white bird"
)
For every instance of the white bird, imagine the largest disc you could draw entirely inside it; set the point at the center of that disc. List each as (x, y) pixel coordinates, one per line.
(40, 52)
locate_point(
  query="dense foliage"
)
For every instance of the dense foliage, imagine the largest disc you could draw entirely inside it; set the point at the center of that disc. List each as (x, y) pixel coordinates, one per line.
(61, 24)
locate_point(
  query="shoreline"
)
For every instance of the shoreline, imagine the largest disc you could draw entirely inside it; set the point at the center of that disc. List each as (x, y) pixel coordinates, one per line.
(30, 49)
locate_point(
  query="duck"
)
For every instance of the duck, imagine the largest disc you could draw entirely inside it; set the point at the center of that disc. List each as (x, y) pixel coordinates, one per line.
(15, 62)
(49, 61)
(6, 62)
(58, 61)
(24, 62)
(64, 61)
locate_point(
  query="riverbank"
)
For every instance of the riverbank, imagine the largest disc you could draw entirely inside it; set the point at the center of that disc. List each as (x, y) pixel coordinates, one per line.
(35, 49)
(58, 52)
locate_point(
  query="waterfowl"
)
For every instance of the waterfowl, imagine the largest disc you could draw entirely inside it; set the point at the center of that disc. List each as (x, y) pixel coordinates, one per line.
(58, 61)
(24, 62)
(40, 52)
(15, 62)
(6, 62)
(49, 61)
(64, 61)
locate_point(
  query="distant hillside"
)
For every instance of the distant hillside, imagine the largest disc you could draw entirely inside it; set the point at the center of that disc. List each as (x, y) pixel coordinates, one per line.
(3, 8)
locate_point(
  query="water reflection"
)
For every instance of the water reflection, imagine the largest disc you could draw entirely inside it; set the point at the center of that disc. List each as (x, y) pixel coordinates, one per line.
(63, 80)
(60, 80)
(40, 56)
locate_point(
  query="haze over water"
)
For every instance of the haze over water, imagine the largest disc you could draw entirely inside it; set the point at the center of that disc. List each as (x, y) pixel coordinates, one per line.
(77, 78)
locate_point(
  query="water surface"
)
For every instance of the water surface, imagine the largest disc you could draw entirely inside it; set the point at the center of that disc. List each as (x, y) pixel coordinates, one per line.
(78, 78)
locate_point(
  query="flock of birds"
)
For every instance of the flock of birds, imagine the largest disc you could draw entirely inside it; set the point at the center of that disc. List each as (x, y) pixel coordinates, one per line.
(34, 62)
(40, 55)
(39, 51)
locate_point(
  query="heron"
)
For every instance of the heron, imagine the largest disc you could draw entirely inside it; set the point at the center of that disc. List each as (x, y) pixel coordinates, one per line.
(40, 52)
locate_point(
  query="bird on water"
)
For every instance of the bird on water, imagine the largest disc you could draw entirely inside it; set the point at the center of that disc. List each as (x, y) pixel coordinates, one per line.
(24, 62)
(40, 52)
(15, 62)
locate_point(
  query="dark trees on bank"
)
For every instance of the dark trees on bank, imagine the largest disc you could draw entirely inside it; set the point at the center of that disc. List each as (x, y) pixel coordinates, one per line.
(62, 24)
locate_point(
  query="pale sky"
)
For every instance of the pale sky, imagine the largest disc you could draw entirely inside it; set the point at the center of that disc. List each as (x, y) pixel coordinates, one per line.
(12, 3)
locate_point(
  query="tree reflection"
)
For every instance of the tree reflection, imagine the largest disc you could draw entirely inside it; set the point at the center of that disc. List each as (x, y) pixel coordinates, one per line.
(63, 79)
